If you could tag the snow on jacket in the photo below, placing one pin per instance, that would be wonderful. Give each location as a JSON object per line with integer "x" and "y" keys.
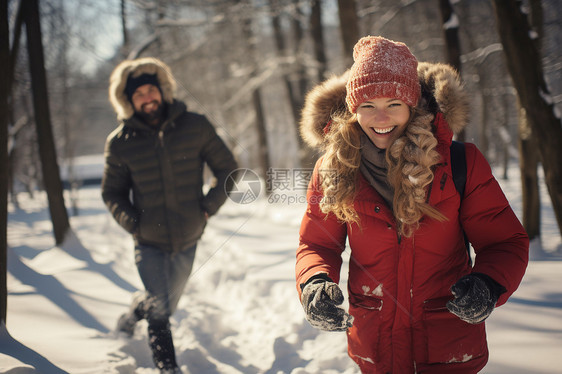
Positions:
{"x": 398, "y": 286}
{"x": 163, "y": 167}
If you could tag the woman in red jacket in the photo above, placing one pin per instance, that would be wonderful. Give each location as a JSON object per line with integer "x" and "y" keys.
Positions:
{"x": 384, "y": 184}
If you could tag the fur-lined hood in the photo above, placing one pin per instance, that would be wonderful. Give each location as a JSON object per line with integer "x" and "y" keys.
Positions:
{"x": 442, "y": 91}
{"x": 145, "y": 65}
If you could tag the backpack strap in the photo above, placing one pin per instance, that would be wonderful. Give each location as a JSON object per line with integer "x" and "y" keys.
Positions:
{"x": 458, "y": 168}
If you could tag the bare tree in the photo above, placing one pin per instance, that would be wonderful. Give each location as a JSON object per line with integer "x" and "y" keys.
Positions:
{"x": 451, "y": 32}
{"x": 298, "y": 51}
{"x": 317, "y": 33}
{"x": 295, "y": 90}
{"x": 349, "y": 27}
{"x": 263, "y": 153}
{"x": 525, "y": 67}
{"x": 528, "y": 165}
{"x": 282, "y": 54}
{"x": 50, "y": 168}
{"x": 124, "y": 26}
{"x": 486, "y": 78}
{"x": 529, "y": 157}
{"x": 452, "y": 43}
{"x": 4, "y": 62}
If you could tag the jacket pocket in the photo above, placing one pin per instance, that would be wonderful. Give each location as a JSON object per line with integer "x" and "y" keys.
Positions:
{"x": 448, "y": 338}
{"x": 365, "y": 302}
{"x": 364, "y": 336}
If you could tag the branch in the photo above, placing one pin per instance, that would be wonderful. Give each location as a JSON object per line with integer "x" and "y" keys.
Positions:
{"x": 480, "y": 54}
{"x": 15, "y": 46}
{"x": 135, "y": 52}
{"x": 189, "y": 23}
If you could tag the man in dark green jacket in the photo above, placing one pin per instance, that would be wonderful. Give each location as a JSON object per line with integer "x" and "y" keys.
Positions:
{"x": 152, "y": 185}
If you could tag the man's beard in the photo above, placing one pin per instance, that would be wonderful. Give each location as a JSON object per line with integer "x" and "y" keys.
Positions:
{"x": 153, "y": 117}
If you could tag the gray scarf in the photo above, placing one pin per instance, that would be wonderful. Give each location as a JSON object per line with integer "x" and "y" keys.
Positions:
{"x": 374, "y": 168}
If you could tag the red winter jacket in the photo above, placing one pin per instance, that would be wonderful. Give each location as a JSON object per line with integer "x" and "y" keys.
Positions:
{"x": 398, "y": 286}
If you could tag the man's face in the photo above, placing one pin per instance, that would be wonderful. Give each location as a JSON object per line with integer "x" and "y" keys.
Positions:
{"x": 147, "y": 102}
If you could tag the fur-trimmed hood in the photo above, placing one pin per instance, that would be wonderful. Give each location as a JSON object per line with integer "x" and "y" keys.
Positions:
{"x": 145, "y": 65}
{"x": 442, "y": 91}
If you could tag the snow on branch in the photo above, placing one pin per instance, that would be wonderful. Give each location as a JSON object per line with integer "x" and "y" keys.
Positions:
{"x": 135, "y": 52}
{"x": 190, "y": 23}
{"x": 480, "y": 54}
{"x": 388, "y": 15}
{"x": 452, "y": 22}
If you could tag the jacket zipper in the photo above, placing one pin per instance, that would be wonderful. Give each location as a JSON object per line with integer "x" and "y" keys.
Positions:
{"x": 169, "y": 195}
{"x": 161, "y": 138}
{"x": 161, "y": 132}
{"x": 412, "y": 302}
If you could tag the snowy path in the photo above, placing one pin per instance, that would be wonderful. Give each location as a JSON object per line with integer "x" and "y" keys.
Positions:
{"x": 239, "y": 313}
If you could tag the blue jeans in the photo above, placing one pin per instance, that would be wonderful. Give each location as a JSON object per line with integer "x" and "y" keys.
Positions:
{"x": 164, "y": 276}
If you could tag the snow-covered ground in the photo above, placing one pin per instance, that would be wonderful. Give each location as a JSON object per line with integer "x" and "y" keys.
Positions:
{"x": 239, "y": 312}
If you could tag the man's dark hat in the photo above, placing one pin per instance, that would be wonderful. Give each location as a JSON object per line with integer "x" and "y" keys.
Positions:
{"x": 135, "y": 82}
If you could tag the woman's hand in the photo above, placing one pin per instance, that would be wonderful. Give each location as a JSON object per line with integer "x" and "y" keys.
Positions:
{"x": 475, "y": 297}
{"x": 320, "y": 299}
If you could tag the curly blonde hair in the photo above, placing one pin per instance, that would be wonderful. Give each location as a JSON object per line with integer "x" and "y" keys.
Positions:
{"x": 411, "y": 158}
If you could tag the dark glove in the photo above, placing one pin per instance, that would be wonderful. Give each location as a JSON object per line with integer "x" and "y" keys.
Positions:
{"x": 320, "y": 299}
{"x": 476, "y": 295}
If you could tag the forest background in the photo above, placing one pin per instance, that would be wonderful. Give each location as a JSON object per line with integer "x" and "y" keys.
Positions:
{"x": 247, "y": 65}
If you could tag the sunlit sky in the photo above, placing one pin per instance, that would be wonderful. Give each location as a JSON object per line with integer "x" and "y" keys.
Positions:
{"x": 96, "y": 29}
{"x": 95, "y": 26}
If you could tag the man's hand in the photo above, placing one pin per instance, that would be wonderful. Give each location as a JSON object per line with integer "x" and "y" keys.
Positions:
{"x": 475, "y": 297}
{"x": 320, "y": 299}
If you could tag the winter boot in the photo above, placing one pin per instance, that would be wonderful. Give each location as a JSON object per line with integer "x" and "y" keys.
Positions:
{"x": 127, "y": 321}
{"x": 126, "y": 324}
{"x": 171, "y": 371}
{"x": 162, "y": 346}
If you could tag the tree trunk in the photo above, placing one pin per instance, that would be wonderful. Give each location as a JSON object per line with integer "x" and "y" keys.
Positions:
{"x": 317, "y": 32}
{"x": 529, "y": 158}
{"x": 124, "y": 26}
{"x": 4, "y": 61}
{"x": 282, "y": 54}
{"x": 451, "y": 32}
{"x": 263, "y": 153}
{"x": 15, "y": 46}
{"x": 452, "y": 43}
{"x": 528, "y": 164}
{"x": 294, "y": 98}
{"x": 525, "y": 67}
{"x": 299, "y": 51}
{"x": 349, "y": 28}
{"x": 49, "y": 165}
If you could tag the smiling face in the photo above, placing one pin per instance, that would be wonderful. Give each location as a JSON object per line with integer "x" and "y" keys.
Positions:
{"x": 382, "y": 119}
{"x": 147, "y": 101}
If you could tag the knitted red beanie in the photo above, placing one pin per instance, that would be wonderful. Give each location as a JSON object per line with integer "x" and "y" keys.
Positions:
{"x": 382, "y": 68}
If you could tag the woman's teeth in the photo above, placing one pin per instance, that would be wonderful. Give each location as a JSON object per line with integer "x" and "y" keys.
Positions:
{"x": 384, "y": 131}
